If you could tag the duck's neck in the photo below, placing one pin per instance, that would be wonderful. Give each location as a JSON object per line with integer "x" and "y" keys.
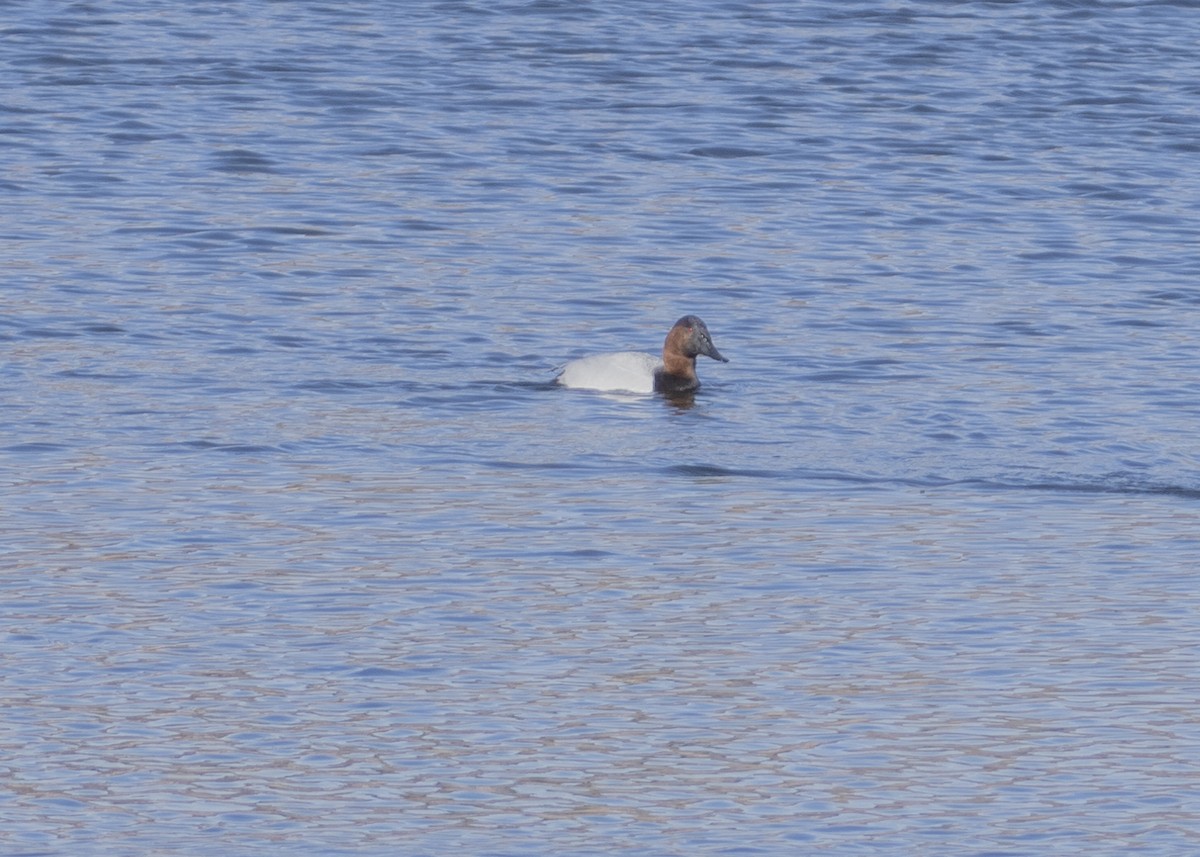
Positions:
{"x": 678, "y": 374}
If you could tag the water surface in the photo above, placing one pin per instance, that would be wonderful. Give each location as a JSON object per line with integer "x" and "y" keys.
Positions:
{"x": 304, "y": 552}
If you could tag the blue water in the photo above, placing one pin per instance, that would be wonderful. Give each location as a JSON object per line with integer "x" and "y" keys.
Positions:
{"x": 304, "y": 553}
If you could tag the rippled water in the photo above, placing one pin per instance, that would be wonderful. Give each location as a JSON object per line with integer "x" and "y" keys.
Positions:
{"x": 304, "y": 552}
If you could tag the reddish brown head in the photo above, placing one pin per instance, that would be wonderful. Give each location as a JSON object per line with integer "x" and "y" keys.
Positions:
{"x": 687, "y": 339}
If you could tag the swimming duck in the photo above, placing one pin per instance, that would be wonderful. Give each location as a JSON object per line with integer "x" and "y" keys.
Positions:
{"x": 634, "y": 372}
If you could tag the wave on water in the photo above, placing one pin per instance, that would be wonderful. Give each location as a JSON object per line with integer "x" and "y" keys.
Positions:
{"x": 1115, "y": 483}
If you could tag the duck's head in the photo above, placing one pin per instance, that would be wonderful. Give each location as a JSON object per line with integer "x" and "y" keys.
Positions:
{"x": 690, "y": 337}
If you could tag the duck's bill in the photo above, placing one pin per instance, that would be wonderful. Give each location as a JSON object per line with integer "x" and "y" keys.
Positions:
{"x": 715, "y": 354}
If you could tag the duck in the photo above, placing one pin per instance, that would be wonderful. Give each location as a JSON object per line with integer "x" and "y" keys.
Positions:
{"x": 635, "y": 372}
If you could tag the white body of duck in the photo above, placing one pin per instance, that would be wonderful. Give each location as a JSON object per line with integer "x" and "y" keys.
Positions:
{"x": 635, "y": 372}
